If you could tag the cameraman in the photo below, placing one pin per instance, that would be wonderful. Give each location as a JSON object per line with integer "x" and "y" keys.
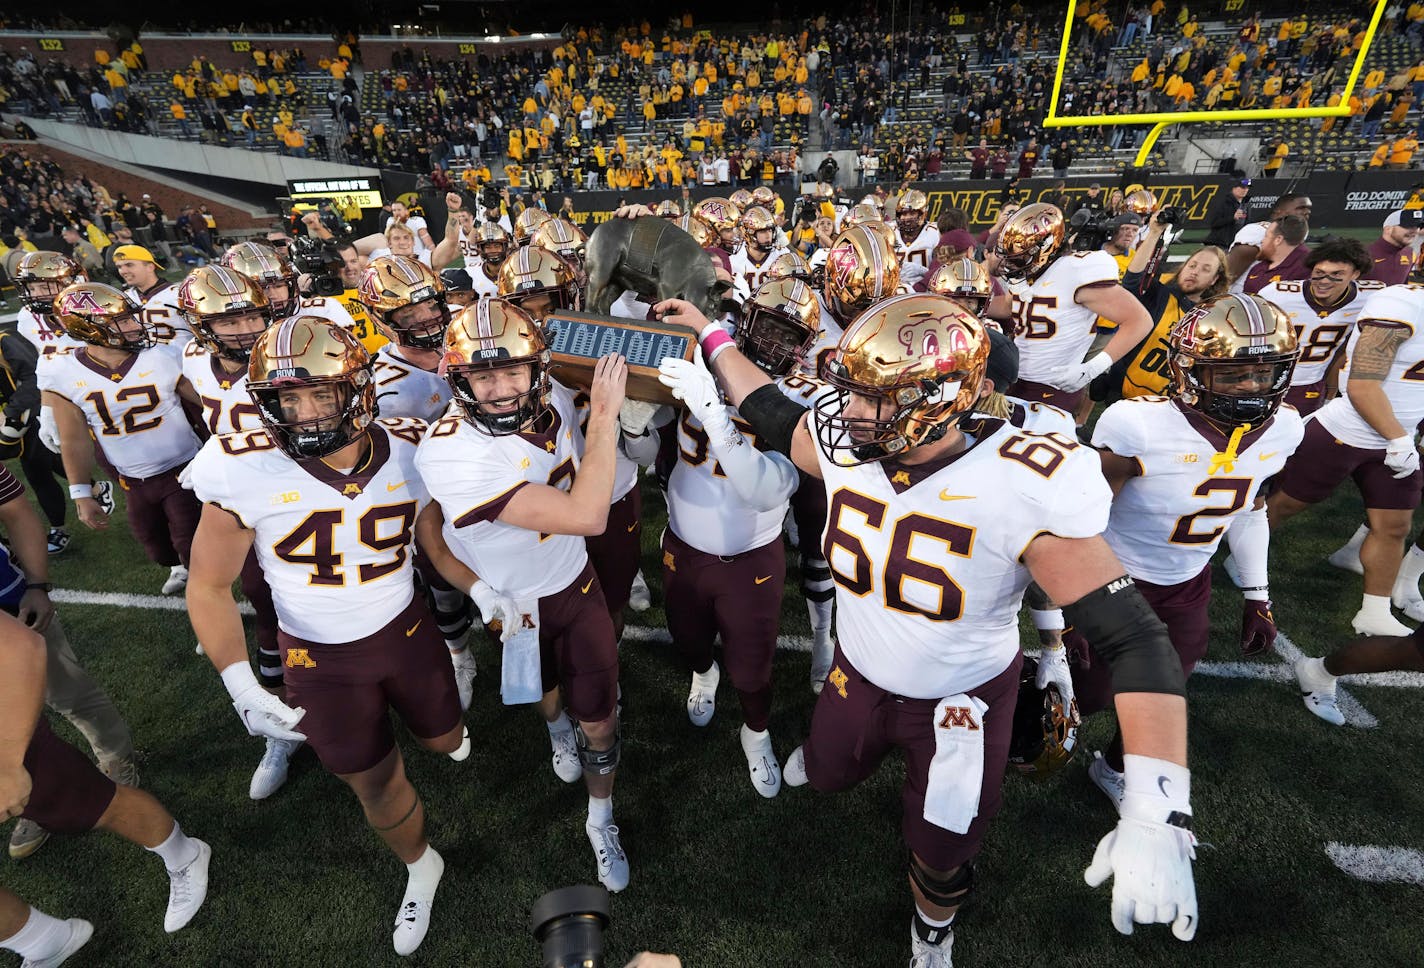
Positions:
{"x": 1145, "y": 369}
{"x": 327, "y": 282}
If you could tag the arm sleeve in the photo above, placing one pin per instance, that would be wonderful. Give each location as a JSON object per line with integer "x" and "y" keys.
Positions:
{"x": 763, "y": 479}
{"x": 1249, "y": 538}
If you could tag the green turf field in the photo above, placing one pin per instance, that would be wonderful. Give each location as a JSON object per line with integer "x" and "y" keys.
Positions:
{"x": 721, "y": 876}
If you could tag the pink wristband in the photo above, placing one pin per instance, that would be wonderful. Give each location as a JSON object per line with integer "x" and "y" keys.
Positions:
{"x": 715, "y": 343}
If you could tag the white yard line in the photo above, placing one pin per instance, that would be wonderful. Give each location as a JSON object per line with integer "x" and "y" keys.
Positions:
{"x": 1379, "y": 865}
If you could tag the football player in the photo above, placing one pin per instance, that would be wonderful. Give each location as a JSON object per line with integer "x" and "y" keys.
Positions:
{"x": 527, "y": 224}
{"x": 328, "y": 496}
{"x": 1058, "y": 295}
{"x": 860, "y": 270}
{"x": 1367, "y": 433}
{"x": 44, "y": 779}
{"x": 458, "y": 246}
{"x": 493, "y": 244}
{"x": 928, "y": 657}
{"x": 159, "y": 297}
{"x": 725, "y": 221}
{"x": 969, "y": 285}
{"x": 1183, "y": 469}
{"x": 759, "y": 250}
{"x": 1317, "y": 676}
{"x": 127, "y": 392}
{"x": 567, "y": 241}
{"x": 515, "y": 492}
{"x": 407, "y": 301}
{"x": 915, "y": 237}
{"x": 278, "y": 278}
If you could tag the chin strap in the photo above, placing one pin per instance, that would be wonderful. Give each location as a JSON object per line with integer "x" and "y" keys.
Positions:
{"x": 1225, "y": 461}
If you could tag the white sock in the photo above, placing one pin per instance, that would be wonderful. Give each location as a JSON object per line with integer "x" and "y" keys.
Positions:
{"x": 600, "y": 811}
{"x": 704, "y": 680}
{"x": 935, "y": 922}
{"x": 1352, "y": 547}
{"x": 820, "y": 615}
{"x": 178, "y": 851}
{"x": 41, "y": 936}
{"x": 456, "y": 646}
{"x": 1376, "y": 605}
{"x": 1410, "y": 569}
{"x": 561, "y": 725}
{"x": 424, "y": 875}
{"x": 1318, "y": 670}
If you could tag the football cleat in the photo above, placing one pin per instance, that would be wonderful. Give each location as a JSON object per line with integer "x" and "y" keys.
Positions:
{"x": 413, "y": 918}
{"x": 926, "y": 955}
{"x": 608, "y": 852}
{"x": 1319, "y": 689}
{"x": 640, "y": 597}
{"x": 187, "y": 889}
{"x": 1367, "y": 622}
{"x": 1110, "y": 781}
{"x": 1347, "y": 556}
{"x": 761, "y": 762}
{"x": 177, "y": 580}
{"x": 462, "y": 752}
{"x": 271, "y": 773}
{"x": 26, "y": 838}
{"x": 702, "y": 698}
{"x": 794, "y": 772}
{"x": 1407, "y": 599}
{"x": 104, "y": 495}
{"x": 464, "y": 663}
{"x": 57, "y": 540}
{"x": 80, "y": 931}
{"x": 567, "y": 766}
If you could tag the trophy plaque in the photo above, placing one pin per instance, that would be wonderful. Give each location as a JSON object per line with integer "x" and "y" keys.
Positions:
{"x": 577, "y": 341}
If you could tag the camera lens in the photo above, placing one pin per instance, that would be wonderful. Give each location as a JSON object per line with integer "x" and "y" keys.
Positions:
{"x": 569, "y": 924}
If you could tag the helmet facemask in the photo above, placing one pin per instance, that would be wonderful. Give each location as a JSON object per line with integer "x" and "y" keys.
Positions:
{"x": 320, "y": 436}
{"x": 529, "y": 407}
{"x": 906, "y": 416}
{"x": 1213, "y": 388}
{"x": 416, "y": 326}
{"x": 773, "y": 340}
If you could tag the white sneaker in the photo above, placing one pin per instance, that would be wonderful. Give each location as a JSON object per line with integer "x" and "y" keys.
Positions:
{"x": 823, "y": 653}
{"x": 702, "y": 698}
{"x": 80, "y": 931}
{"x": 198, "y": 649}
{"x": 640, "y": 598}
{"x": 1375, "y": 623}
{"x": 761, "y": 762}
{"x": 413, "y": 918}
{"x": 1409, "y": 601}
{"x": 925, "y": 955}
{"x": 567, "y": 766}
{"x": 1232, "y": 571}
{"x": 464, "y": 663}
{"x": 271, "y": 773}
{"x": 104, "y": 495}
{"x": 1110, "y": 781}
{"x": 177, "y": 580}
{"x": 794, "y": 772}
{"x": 1346, "y": 559}
{"x": 1319, "y": 688}
{"x": 612, "y": 862}
{"x": 187, "y": 889}
{"x": 462, "y": 752}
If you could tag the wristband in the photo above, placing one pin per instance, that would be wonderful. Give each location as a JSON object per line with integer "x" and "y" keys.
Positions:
{"x": 1259, "y": 593}
{"x": 238, "y": 678}
{"x": 715, "y": 342}
{"x": 1156, "y": 787}
{"x": 78, "y": 492}
{"x": 1048, "y": 619}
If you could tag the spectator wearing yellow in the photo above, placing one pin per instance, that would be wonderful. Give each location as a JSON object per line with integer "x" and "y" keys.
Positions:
{"x": 1401, "y": 153}
{"x": 180, "y": 114}
{"x": 1381, "y": 154}
{"x": 1277, "y": 158}
{"x": 296, "y": 143}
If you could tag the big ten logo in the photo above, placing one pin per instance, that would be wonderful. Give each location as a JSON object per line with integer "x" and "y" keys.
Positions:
{"x": 51, "y": 43}
{"x": 469, "y": 48}
{"x": 241, "y": 46}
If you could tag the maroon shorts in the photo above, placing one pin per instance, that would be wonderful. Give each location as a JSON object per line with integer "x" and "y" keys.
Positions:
{"x": 577, "y": 649}
{"x": 617, "y": 552}
{"x": 1043, "y": 393}
{"x": 162, "y": 515}
{"x": 349, "y": 688}
{"x": 1307, "y": 397}
{"x": 1182, "y": 608}
{"x": 857, "y": 723}
{"x": 738, "y": 596}
{"x": 68, "y": 793}
{"x": 257, "y": 592}
{"x": 1322, "y": 462}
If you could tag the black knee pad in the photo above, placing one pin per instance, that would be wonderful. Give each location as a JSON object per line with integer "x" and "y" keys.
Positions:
{"x": 598, "y": 762}
{"x": 269, "y": 669}
{"x": 816, "y": 582}
{"x": 949, "y": 890}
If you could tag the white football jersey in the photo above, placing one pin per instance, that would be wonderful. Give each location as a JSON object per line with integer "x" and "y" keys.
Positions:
{"x": 483, "y": 284}
{"x": 829, "y": 338}
{"x": 1053, "y": 330}
{"x": 803, "y": 389}
{"x": 1042, "y": 418}
{"x": 337, "y": 549}
{"x": 328, "y": 308}
{"x": 750, "y": 275}
{"x": 704, "y": 510}
{"x": 406, "y": 390}
{"x": 44, "y": 332}
{"x": 161, "y": 315}
{"x": 1401, "y": 305}
{"x": 469, "y": 252}
{"x": 928, "y": 559}
{"x": 1167, "y": 522}
{"x": 473, "y": 475}
{"x": 916, "y": 255}
{"x": 227, "y": 407}
{"x": 1319, "y": 330}
{"x": 134, "y": 412}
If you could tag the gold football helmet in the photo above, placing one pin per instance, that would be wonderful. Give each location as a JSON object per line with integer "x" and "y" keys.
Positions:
{"x": 789, "y": 265}
{"x": 311, "y": 353}
{"x": 215, "y": 294}
{"x": 764, "y": 197}
{"x": 860, "y": 270}
{"x": 861, "y": 213}
{"x": 779, "y": 325}
{"x": 669, "y": 209}
{"x": 568, "y": 241}
{"x": 407, "y": 300}
{"x": 101, "y": 315}
{"x": 528, "y": 223}
{"x": 742, "y": 199}
{"x": 41, "y": 276}
{"x": 539, "y": 282}
{"x": 492, "y": 241}
{"x": 965, "y": 281}
{"x": 1232, "y": 359}
{"x": 759, "y": 229}
{"x": 1141, "y": 202}
{"x": 270, "y": 269}
{"x": 904, "y": 372}
{"x": 1029, "y": 242}
{"x": 1045, "y": 731}
{"x": 911, "y": 214}
{"x": 723, "y": 218}
{"x": 492, "y": 334}
{"x": 700, "y": 231}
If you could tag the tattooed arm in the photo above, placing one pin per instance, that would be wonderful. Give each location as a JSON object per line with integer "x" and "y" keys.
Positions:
{"x": 1370, "y": 364}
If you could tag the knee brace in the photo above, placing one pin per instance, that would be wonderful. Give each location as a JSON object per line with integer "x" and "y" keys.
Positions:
{"x": 598, "y": 762}
{"x": 947, "y": 890}
{"x": 816, "y": 583}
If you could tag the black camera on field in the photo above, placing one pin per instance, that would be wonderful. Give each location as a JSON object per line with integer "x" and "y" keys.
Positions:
{"x": 490, "y": 197}
{"x": 569, "y": 925}
{"x": 1089, "y": 228}
{"x": 321, "y": 260}
{"x": 1171, "y": 215}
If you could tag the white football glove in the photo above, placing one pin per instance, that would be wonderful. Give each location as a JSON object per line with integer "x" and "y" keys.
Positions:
{"x": 49, "y": 429}
{"x": 1401, "y": 456}
{"x": 1079, "y": 375}
{"x": 693, "y": 384}
{"x": 1148, "y": 858}
{"x": 261, "y": 712}
{"x": 1053, "y": 670}
{"x": 495, "y": 607}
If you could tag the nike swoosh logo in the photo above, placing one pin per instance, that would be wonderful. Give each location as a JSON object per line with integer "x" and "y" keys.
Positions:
{"x": 1270, "y": 455}
{"x": 411, "y": 631}
{"x": 1162, "y": 782}
{"x": 632, "y": 527}
{"x": 946, "y": 496}
{"x": 397, "y": 486}
{"x": 761, "y": 580}
{"x": 585, "y": 588}
{"x": 145, "y": 373}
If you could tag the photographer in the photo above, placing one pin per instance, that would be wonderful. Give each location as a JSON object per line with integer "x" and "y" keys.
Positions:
{"x": 1145, "y": 370}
